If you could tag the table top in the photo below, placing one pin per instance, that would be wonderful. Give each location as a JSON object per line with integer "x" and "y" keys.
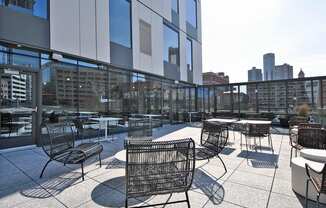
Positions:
{"x": 317, "y": 155}
{"x": 222, "y": 120}
{"x": 253, "y": 122}
{"x": 106, "y": 119}
{"x": 16, "y": 110}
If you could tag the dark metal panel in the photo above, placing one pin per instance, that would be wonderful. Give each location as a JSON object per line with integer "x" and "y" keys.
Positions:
{"x": 121, "y": 56}
{"x": 24, "y": 28}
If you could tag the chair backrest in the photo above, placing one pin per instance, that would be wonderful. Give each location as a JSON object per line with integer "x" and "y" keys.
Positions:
{"x": 58, "y": 138}
{"x": 259, "y": 130}
{"x": 310, "y": 125}
{"x": 214, "y": 136}
{"x": 6, "y": 120}
{"x": 159, "y": 167}
{"x": 296, "y": 120}
{"x": 312, "y": 138}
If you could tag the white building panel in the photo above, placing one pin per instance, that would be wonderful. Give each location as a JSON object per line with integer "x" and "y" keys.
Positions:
{"x": 183, "y": 57}
{"x": 148, "y": 63}
{"x": 197, "y": 63}
{"x": 182, "y": 14}
{"x": 87, "y": 29}
{"x": 64, "y": 26}
{"x": 161, "y": 7}
{"x": 103, "y": 31}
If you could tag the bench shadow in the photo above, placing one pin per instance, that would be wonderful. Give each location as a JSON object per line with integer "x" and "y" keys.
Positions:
{"x": 115, "y": 197}
{"x": 209, "y": 185}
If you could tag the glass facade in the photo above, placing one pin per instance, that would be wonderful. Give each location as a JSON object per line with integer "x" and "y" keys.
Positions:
{"x": 192, "y": 12}
{"x": 37, "y": 8}
{"x": 120, "y": 22}
{"x": 189, "y": 54}
{"x": 171, "y": 46}
{"x": 175, "y": 5}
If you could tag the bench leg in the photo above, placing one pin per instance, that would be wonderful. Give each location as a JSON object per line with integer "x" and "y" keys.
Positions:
{"x": 187, "y": 197}
{"x": 82, "y": 167}
{"x": 45, "y": 167}
{"x": 222, "y": 163}
{"x": 99, "y": 158}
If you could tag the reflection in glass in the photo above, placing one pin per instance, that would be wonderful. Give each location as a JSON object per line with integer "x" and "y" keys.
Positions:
{"x": 120, "y": 26}
{"x": 175, "y": 5}
{"x": 192, "y": 12}
{"x": 37, "y": 8}
{"x": 171, "y": 46}
{"x": 189, "y": 54}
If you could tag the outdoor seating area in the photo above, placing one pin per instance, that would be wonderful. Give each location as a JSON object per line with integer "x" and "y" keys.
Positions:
{"x": 197, "y": 164}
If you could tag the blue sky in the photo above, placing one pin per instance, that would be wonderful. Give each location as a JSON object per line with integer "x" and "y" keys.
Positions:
{"x": 236, "y": 34}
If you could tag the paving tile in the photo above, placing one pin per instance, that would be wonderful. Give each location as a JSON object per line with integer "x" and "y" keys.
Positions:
{"x": 114, "y": 178}
{"x": 77, "y": 194}
{"x": 279, "y": 200}
{"x": 14, "y": 179}
{"x": 20, "y": 194}
{"x": 283, "y": 187}
{"x": 245, "y": 195}
{"x": 247, "y": 166}
{"x": 252, "y": 180}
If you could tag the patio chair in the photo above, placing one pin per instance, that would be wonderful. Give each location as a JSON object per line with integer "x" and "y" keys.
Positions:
{"x": 258, "y": 131}
{"x": 318, "y": 180}
{"x": 59, "y": 145}
{"x": 213, "y": 139}
{"x": 294, "y": 123}
{"x": 313, "y": 138}
{"x": 154, "y": 168}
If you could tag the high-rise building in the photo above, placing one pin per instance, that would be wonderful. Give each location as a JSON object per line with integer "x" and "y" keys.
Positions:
{"x": 269, "y": 65}
{"x": 284, "y": 71}
{"x": 255, "y": 74}
{"x": 211, "y": 78}
{"x": 301, "y": 74}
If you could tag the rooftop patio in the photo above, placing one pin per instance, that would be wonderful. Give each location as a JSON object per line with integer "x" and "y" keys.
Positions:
{"x": 261, "y": 179}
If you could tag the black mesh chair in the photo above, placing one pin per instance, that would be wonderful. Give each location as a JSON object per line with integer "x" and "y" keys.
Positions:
{"x": 59, "y": 144}
{"x": 258, "y": 131}
{"x": 313, "y": 138}
{"x": 317, "y": 179}
{"x": 154, "y": 168}
{"x": 214, "y": 137}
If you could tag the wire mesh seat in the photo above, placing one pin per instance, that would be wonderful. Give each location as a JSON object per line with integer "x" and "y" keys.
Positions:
{"x": 214, "y": 137}
{"x": 154, "y": 168}
{"x": 314, "y": 138}
{"x": 59, "y": 144}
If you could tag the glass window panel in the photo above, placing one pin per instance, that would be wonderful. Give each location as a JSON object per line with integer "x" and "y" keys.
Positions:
{"x": 37, "y": 8}
{"x": 175, "y": 5}
{"x": 189, "y": 54}
{"x": 248, "y": 101}
{"x": 92, "y": 91}
{"x": 171, "y": 46}
{"x": 192, "y": 12}
{"x": 223, "y": 99}
{"x": 120, "y": 25}
{"x": 211, "y": 106}
{"x": 299, "y": 93}
{"x": 59, "y": 92}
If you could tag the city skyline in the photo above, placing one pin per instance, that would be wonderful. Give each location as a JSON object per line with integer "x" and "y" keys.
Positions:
{"x": 235, "y": 36}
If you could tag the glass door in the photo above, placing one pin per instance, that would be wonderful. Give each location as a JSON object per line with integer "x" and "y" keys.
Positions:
{"x": 18, "y": 107}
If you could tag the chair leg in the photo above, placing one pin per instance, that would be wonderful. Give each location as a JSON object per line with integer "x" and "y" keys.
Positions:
{"x": 247, "y": 145}
{"x": 45, "y": 167}
{"x": 306, "y": 200}
{"x": 222, "y": 163}
{"x": 260, "y": 143}
{"x": 291, "y": 152}
{"x": 99, "y": 158}
{"x": 270, "y": 139}
{"x": 318, "y": 200}
{"x": 126, "y": 202}
{"x": 82, "y": 167}
{"x": 187, "y": 197}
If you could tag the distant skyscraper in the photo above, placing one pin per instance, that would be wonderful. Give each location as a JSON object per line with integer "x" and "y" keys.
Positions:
{"x": 284, "y": 71}
{"x": 269, "y": 65}
{"x": 301, "y": 74}
{"x": 255, "y": 74}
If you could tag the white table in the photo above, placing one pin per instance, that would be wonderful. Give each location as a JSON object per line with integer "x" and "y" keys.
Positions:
{"x": 222, "y": 120}
{"x": 105, "y": 121}
{"x": 253, "y": 122}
